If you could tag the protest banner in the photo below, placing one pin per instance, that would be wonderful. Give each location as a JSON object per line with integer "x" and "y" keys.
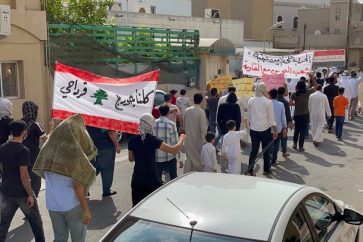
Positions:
{"x": 292, "y": 66}
{"x": 221, "y": 83}
{"x": 109, "y": 103}
{"x": 244, "y": 87}
{"x": 274, "y": 81}
{"x": 291, "y": 84}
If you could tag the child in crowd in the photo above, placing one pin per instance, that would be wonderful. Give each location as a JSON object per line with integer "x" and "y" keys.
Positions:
{"x": 231, "y": 149}
{"x": 208, "y": 154}
{"x": 340, "y": 104}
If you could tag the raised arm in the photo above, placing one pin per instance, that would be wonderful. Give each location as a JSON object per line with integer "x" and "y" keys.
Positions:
{"x": 175, "y": 148}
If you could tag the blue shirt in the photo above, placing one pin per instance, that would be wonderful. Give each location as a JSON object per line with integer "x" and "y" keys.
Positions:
{"x": 280, "y": 116}
{"x": 60, "y": 193}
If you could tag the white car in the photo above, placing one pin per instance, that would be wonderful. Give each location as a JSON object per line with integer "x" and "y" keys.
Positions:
{"x": 207, "y": 207}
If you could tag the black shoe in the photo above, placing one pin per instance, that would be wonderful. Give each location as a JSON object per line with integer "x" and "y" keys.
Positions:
{"x": 340, "y": 139}
{"x": 316, "y": 144}
{"x": 294, "y": 146}
{"x": 111, "y": 193}
{"x": 301, "y": 149}
{"x": 330, "y": 131}
{"x": 250, "y": 173}
{"x": 274, "y": 163}
{"x": 265, "y": 173}
{"x": 285, "y": 154}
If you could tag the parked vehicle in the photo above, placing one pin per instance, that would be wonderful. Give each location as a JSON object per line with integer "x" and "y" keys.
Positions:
{"x": 208, "y": 207}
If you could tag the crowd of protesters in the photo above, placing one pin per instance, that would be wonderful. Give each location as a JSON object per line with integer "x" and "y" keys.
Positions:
{"x": 211, "y": 139}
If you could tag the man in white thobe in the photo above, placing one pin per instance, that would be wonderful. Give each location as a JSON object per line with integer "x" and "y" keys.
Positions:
{"x": 195, "y": 123}
{"x": 355, "y": 82}
{"x": 318, "y": 108}
{"x": 344, "y": 82}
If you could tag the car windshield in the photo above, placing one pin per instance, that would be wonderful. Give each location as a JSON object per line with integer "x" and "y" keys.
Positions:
{"x": 134, "y": 229}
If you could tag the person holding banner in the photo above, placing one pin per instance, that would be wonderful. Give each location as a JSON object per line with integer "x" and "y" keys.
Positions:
{"x": 300, "y": 99}
{"x": 142, "y": 150}
{"x": 262, "y": 120}
{"x": 104, "y": 163}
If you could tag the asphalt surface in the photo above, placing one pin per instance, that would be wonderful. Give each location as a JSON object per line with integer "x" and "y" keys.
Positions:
{"x": 334, "y": 167}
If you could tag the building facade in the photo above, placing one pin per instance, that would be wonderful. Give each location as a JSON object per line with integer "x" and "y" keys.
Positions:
{"x": 287, "y": 11}
{"x": 256, "y": 14}
{"x": 22, "y": 57}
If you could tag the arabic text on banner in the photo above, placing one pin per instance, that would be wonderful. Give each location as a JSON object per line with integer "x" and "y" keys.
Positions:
{"x": 221, "y": 83}
{"x": 244, "y": 87}
{"x": 108, "y": 103}
{"x": 292, "y": 66}
{"x": 274, "y": 81}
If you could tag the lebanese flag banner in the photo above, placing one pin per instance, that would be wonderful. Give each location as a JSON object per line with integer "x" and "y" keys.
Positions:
{"x": 109, "y": 103}
{"x": 329, "y": 55}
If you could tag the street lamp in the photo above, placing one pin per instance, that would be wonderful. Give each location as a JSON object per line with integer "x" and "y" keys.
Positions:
{"x": 268, "y": 29}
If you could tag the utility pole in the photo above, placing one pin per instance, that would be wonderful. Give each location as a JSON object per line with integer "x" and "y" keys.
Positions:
{"x": 304, "y": 39}
{"x": 347, "y": 47}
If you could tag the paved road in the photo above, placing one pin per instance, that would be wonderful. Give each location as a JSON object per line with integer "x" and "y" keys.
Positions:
{"x": 334, "y": 167}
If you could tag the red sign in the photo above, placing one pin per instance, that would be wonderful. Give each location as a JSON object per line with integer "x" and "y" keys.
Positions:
{"x": 274, "y": 81}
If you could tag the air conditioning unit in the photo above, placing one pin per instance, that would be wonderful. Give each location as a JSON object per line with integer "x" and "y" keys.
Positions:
{"x": 211, "y": 13}
{"x": 145, "y": 8}
{"x": 5, "y": 25}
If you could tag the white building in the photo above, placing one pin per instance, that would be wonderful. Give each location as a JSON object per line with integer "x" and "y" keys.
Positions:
{"x": 168, "y": 7}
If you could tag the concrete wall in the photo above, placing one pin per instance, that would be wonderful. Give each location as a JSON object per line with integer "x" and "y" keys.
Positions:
{"x": 208, "y": 28}
{"x": 315, "y": 20}
{"x": 25, "y": 45}
{"x": 209, "y": 66}
{"x": 256, "y": 14}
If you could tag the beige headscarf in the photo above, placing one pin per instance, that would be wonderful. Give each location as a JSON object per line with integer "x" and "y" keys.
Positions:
{"x": 261, "y": 90}
{"x": 68, "y": 151}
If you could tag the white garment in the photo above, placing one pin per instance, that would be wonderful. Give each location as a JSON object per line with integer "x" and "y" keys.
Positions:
{"x": 195, "y": 129}
{"x": 209, "y": 157}
{"x": 261, "y": 114}
{"x": 354, "y": 83}
{"x": 183, "y": 103}
{"x": 344, "y": 82}
{"x": 231, "y": 147}
{"x": 318, "y": 107}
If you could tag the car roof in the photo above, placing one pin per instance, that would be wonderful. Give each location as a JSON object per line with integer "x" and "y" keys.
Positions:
{"x": 234, "y": 205}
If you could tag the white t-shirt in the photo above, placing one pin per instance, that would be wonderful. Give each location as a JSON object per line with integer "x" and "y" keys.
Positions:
{"x": 209, "y": 157}
{"x": 60, "y": 193}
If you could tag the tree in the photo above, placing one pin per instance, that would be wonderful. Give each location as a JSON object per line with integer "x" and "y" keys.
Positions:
{"x": 76, "y": 11}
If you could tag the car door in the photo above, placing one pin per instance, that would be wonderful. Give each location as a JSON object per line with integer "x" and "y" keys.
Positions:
{"x": 298, "y": 228}
{"x": 322, "y": 211}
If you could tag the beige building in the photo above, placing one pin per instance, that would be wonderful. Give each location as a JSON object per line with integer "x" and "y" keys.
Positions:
{"x": 257, "y": 15}
{"x": 327, "y": 28}
{"x": 22, "y": 62}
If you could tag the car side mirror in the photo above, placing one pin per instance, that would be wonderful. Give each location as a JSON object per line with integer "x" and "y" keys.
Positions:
{"x": 352, "y": 217}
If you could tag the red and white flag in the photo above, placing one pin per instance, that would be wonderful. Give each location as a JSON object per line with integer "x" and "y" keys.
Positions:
{"x": 109, "y": 103}
{"x": 321, "y": 56}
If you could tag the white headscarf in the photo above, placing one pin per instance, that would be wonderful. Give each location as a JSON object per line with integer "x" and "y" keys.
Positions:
{"x": 5, "y": 108}
{"x": 147, "y": 123}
